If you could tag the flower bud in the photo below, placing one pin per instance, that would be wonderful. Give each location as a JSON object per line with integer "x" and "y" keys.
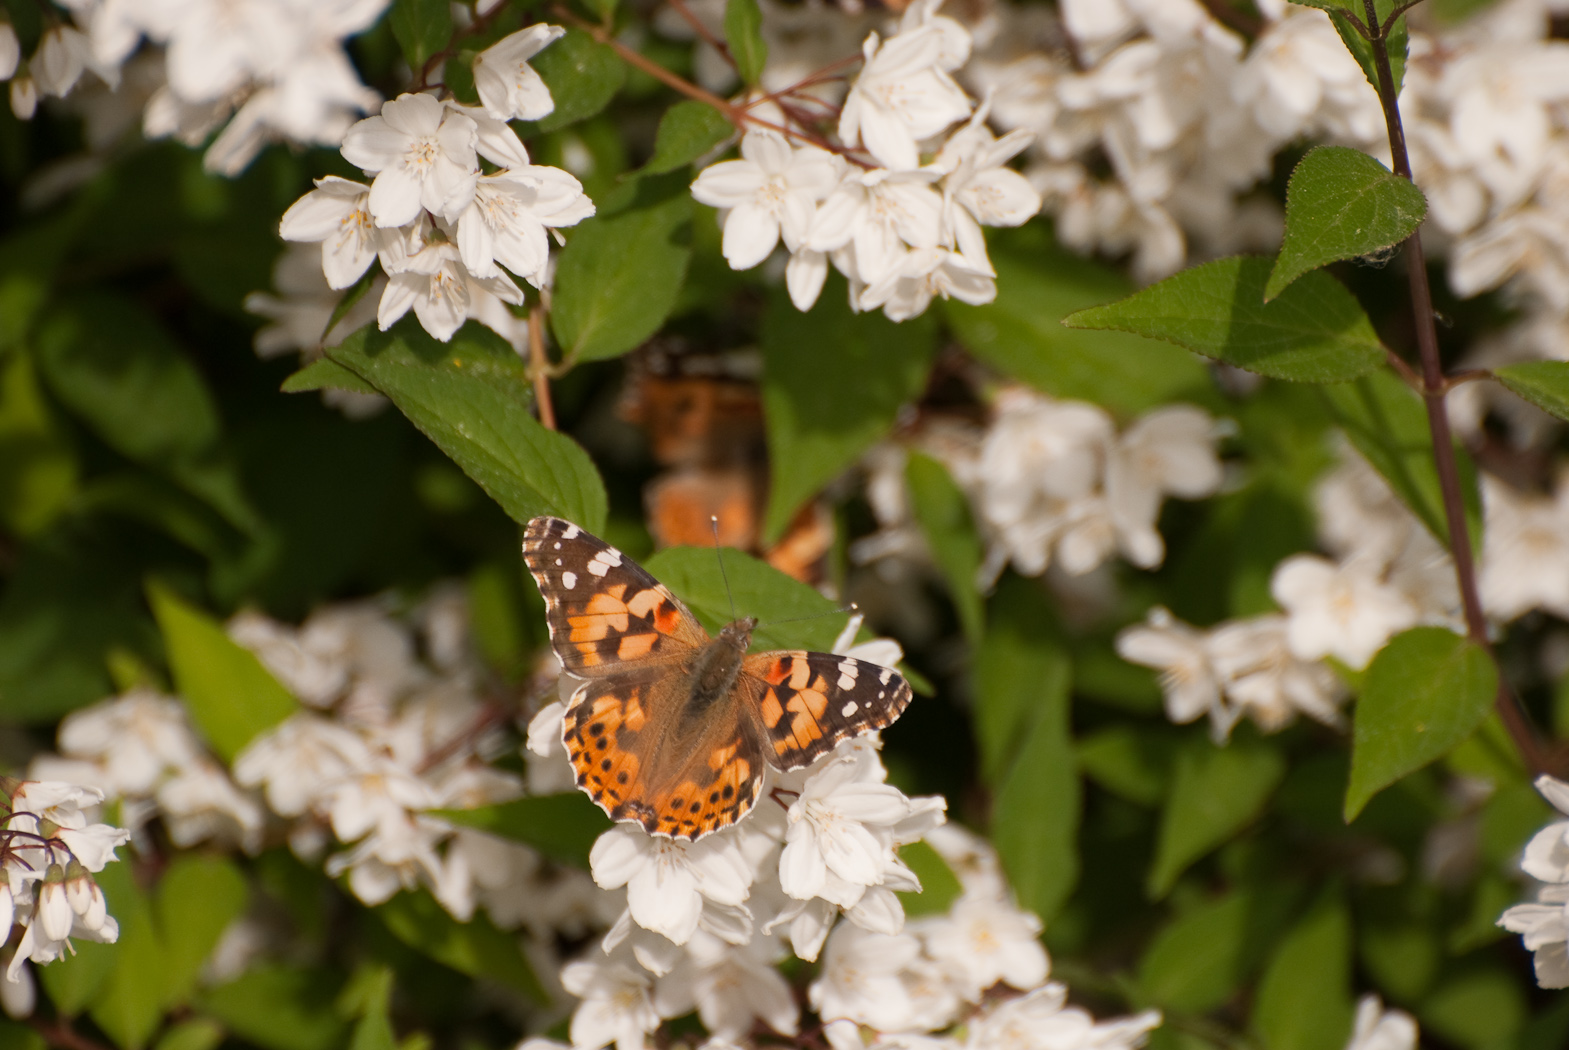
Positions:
{"x": 54, "y": 915}
{"x": 24, "y": 97}
{"x": 78, "y": 888}
{"x": 10, "y": 52}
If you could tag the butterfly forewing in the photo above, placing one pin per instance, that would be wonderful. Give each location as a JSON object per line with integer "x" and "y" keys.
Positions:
{"x": 808, "y": 702}
{"x": 604, "y": 610}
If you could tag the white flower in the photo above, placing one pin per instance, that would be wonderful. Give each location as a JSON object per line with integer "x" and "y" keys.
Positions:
{"x": 925, "y": 274}
{"x": 62, "y": 56}
{"x": 440, "y": 289}
{"x": 507, "y": 220}
{"x": 24, "y": 97}
{"x": 732, "y": 988}
{"x": 978, "y": 190}
{"x": 299, "y": 761}
{"x": 1042, "y": 1021}
{"x": 423, "y": 155}
{"x": 1547, "y": 854}
{"x": 840, "y": 834}
{"x": 1525, "y": 551}
{"x": 880, "y": 215}
{"x": 1346, "y": 611}
{"x": 336, "y": 213}
{"x": 136, "y": 739}
{"x": 983, "y": 940}
{"x": 1544, "y": 928}
{"x": 668, "y": 880}
{"x": 861, "y": 978}
{"x": 1181, "y": 655}
{"x": 1169, "y": 451}
{"x": 1262, "y": 678}
{"x": 772, "y": 191}
{"x": 1379, "y": 1029}
{"x": 507, "y": 85}
{"x": 902, "y": 96}
{"x": 615, "y": 1009}
{"x": 10, "y": 51}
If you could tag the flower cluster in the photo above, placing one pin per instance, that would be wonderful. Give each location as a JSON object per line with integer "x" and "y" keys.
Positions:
{"x": 445, "y": 232}
{"x": 261, "y": 70}
{"x": 50, "y": 854}
{"x": 1544, "y": 924}
{"x": 901, "y": 231}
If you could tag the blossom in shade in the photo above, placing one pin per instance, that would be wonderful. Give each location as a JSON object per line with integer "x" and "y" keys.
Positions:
{"x": 1378, "y": 1028}
{"x": 508, "y": 86}
{"x": 508, "y": 219}
{"x": 668, "y": 880}
{"x": 1347, "y": 611}
{"x": 903, "y": 95}
{"x": 615, "y": 1007}
{"x": 336, "y": 213}
{"x": 771, "y": 192}
{"x": 423, "y": 156}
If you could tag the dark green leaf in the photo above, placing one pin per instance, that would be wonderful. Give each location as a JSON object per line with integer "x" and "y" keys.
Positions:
{"x": 943, "y": 513}
{"x": 686, "y": 132}
{"x": 583, "y": 76}
{"x": 1478, "y": 1009}
{"x": 325, "y": 374}
{"x": 1303, "y": 1000}
{"x": 939, "y": 885}
{"x": 619, "y": 275}
{"x": 357, "y": 291}
{"x": 373, "y": 1030}
{"x": 1313, "y": 332}
{"x": 562, "y": 827}
{"x": 1543, "y": 383}
{"x": 129, "y": 1004}
{"x": 1131, "y": 761}
{"x": 38, "y": 473}
{"x": 1216, "y": 792}
{"x": 475, "y": 947}
{"x": 280, "y": 1008}
{"x": 758, "y": 589}
{"x": 1386, "y": 421}
{"x": 1402, "y": 957}
{"x": 1021, "y": 333}
{"x": 833, "y": 382}
{"x": 1200, "y": 959}
{"x": 1022, "y": 721}
{"x": 1342, "y": 204}
{"x": 422, "y": 27}
{"x": 231, "y": 696}
{"x": 744, "y": 36}
{"x": 470, "y": 397}
{"x": 1426, "y": 691}
{"x": 199, "y": 1033}
{"x": 111, "y": 364}
{"x": 197, "y": 898}
{"x": 1398, "y": 44}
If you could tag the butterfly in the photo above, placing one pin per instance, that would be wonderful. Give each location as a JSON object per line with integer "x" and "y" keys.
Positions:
{"x": 670, "y": 727}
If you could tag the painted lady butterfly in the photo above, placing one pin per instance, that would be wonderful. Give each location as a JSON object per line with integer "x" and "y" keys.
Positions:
{"x": 672, "y": 728}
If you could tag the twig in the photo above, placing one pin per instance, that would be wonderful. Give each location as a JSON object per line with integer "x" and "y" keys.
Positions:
{"x": 1434, "y": 386}
{"x": 539, "y": 366}
{"x": 437, "y": 60}
{"x": 702, "y": 31}
{"x": 60, "y": 1033}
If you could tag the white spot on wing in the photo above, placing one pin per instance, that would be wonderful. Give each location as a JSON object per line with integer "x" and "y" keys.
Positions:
{"x": 571, "y": 533}
{"x": 882, "y": 679}
{"x": 849, "y": 709}
{"x": 569, "y": 580}
{"x": 558, "y": 545}
{"x": 597, "y": 567}
{"x": 847, "y": 681}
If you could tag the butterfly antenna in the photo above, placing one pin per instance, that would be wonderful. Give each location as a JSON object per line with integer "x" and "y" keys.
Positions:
{"x": 852, "y": 609}
{"x": 719, "y": 552}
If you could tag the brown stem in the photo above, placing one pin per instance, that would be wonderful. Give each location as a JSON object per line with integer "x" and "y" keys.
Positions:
{"x": 1434, "y": 387}
{"x": 436, "y": 61}
{"x": 59, "y": 1033}
{"x": 539, "y": 365}
{"x": 702, "y": 31}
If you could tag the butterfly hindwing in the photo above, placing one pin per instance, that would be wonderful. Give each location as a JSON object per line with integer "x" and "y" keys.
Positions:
{"x": 604, "y": 610}
{"x": 809, "y": 702}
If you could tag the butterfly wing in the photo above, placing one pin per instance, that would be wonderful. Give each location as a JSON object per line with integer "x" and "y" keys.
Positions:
{"x": 605, "y": 612}
{"x": 806, "y": 703}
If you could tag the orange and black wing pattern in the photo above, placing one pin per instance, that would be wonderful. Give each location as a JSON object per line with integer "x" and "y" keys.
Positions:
{"x": 808, "y": 702}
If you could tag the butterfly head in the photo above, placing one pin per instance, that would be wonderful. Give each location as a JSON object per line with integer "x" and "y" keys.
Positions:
{"x": 738, "y": 633}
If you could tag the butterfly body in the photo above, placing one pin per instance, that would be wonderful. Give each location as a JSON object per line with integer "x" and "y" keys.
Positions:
{"x": 670, "y": 727}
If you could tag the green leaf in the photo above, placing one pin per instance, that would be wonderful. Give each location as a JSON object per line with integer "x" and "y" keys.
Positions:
{"x": 1022, "y": 681}
{"x": 1543, "y": 383}
{"x": 621, "y": 271}
{"x": 129, "y": 1004}
{"x": 1313, "y": 332}
{"x": 1202, "y": 957}
{"x": 744, "y": 37}
{"x": 1342, "y": 204}
{"x": 470, "y": 397}
{"x": 1398, "y": 44}
{"x": 197, "y": 898}
{"x": 111, "y": 364}
{"x": 280, "y": 1008}
{"x": 1387, "y": 422}
{"x": 1216, "y": 792}
{"x": 1021, "y": 332}
{"x": 422, "y": 28}
{"x": 1427, "y": 690}
{"x": 833, "y": 382}
{"x": 1402, "y": 957}
{"x": 199, "y": 1033}
{"x": 583, "y": 76}
{"x": 1303, "y": 1000}
{"x": 373, "y": 1030}
{"x": 1132, "y": 761}
{"x": 940, "y": 887}
{"x": 38, "y": 473}
{"x": 758, "y": 589}
{"x": 231, "y": 696}
{"x": 943, "y": 513}
{"x": 476, "y": 947}
{"x": 325, "y": 374}
{"x": 686, "y": 132}
{"x": 1478, "y": 1009}
{"x": 562, "y": 827}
